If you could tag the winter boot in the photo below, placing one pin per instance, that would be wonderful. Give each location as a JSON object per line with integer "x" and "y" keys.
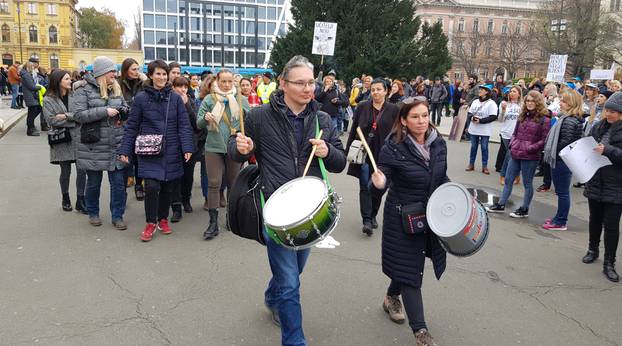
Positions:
{"x": 176, "y": 212}
{"x": 81, "y": 205}
{"x": 591, "y": 255}
{"x": 66, "y": 204}
{"x": 609, "y": 269}
{"x": 212, "y": 228}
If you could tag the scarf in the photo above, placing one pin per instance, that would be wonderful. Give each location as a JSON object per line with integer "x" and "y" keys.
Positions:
{"x": 550, "y": 147}
{"x": 224, "y": 99}
{"x": 424, "y": 149}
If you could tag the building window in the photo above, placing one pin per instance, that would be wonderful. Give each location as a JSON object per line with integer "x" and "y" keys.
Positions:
{"x": 488, "y": 51}
{"x": 160, "y": 5}
{"x": 476, "y": 25}
{"x": 504, "y": 27}
{"x": 519, "y": 27}
{"x": 32, "y": 8}
{"x": 147, "y": 5}
{"x": 457, "y": 76}
{"x": 148, "y": 21}
{"x": 490, "y": 26}
{"x": 6, "y": 33}
{"x": 461, "y": 25}
{"x": 53, "y": 34}
{"x": 614, "y": 5}
{"x": 54, "y": 62}
{"x": 52, "y": 9}
{"x": 4, "y": 6}
{"x": 32, "y": 31}
{"x": 160, "y": 22}
{"x": 440, "y": 20}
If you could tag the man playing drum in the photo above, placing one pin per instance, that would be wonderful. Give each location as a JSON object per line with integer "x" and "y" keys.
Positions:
{"x": 281, "y": 134}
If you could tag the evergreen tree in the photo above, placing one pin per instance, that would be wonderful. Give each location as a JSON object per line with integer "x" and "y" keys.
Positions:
{"x": 377, "y": 37}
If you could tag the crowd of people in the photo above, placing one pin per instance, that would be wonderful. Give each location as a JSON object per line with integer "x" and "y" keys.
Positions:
{"x": 149, "y": 131}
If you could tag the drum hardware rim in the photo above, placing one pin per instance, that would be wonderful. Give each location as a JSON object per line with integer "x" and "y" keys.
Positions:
{"x": 305, "y": 220}
{"x": 477, "y": 248}
{"x": 322, "y": 237}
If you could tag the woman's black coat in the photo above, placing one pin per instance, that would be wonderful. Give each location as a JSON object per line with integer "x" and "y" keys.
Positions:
{"x": 409, "y": 180}
{"x": 606, "y": 185}
{"x": 363, "y": 117}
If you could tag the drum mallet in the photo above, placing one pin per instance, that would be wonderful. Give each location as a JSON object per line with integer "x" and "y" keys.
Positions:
{"x": 319, "y": 135}
{"x": 371, "y": 156}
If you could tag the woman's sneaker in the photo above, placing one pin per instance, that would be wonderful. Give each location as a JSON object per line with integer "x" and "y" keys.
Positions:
{"x": 496, "y": 208}
{"x": 550, "y": 226}
{"x": 543, "y": 188}
{"x": 393, "y": 306}
{"x": 520, "y": 213}
{"x": 424, "y": 338}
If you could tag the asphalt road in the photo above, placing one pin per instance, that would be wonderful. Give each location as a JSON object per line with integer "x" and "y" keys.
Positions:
{"x": 64, "y": 282}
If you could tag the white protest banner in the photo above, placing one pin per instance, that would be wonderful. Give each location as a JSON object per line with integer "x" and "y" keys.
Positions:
{"x": 581, "y": 159}
{"x": 602, "y": 74}
{"x": 557, "y": 68}
{"x": 324, "y": 37}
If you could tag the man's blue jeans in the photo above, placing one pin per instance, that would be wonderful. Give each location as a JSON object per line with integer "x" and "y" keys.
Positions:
{"x": 475, "y": 141}
{"x": 562, "y": 177}
{"x": 117, "y": 193}
{"x": 337, "y": 123}
{"x": 528, "y": 169}
{"x": 283, "y": 293}
{"x": 14, "y": 92}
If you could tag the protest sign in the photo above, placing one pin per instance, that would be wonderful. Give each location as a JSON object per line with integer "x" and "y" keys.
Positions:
{"x": 324, "y": 37}
{"x": 557, "y": 68}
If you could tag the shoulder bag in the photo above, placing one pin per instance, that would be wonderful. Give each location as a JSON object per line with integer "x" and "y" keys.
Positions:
{"x": 58, "y": 135}
{"x": 151, "y": 144}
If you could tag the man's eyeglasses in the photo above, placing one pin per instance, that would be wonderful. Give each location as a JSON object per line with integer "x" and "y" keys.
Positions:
{"x": 302, "y": 84}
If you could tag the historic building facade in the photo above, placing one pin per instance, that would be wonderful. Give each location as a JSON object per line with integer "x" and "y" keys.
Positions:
{"x": 49, "y": 31}
{"x": 488, "y": 37}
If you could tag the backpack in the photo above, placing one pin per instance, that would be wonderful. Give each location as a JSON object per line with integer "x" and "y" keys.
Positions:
{"x": 244, "y": 212}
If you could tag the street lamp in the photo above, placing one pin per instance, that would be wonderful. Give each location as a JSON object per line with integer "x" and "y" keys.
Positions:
{"x": 19, "y": 32}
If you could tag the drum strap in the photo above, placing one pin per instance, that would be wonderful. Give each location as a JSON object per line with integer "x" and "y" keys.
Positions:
{"x": 320, "y": 160}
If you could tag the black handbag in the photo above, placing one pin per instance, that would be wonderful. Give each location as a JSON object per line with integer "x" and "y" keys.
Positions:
{"x": 58, "y": 135}
{"x": 414, "y": 220}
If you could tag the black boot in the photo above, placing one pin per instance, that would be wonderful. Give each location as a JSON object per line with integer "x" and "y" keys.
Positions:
{"x": 609, "y": 269}
{"x": 368, "y": 229}
{"x": 176, "y": 212}
{"x": 212, "y": 229}
{"x": 81, "y": 205}
{"x": 66, "y": 204}
{"x": 590, "y": 256}
{"x": 187, "y": 206}
{"x": 140, "y": 193}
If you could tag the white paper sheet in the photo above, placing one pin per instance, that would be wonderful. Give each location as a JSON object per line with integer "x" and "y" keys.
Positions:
{"x": 581, "y": 159}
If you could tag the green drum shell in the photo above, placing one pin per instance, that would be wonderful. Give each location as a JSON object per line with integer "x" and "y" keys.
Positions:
{"x": 312, "y": 229}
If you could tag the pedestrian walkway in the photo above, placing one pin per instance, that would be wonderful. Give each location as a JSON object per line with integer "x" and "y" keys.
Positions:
{"x": 9, "y": 117}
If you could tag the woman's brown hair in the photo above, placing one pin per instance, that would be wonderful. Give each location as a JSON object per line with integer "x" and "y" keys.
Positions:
{"x": 400, "y": 87}
{"x": 125, "y": 66}
{"x": 206, "y": 87}
{"x": 541, "y": 110}
{"x": 398, "y": 129}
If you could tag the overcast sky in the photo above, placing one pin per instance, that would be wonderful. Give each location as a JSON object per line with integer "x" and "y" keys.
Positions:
{"x": 124, "y": 10}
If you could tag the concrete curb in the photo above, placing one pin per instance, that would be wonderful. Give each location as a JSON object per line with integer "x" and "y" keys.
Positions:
{"x": 6, "y": 126}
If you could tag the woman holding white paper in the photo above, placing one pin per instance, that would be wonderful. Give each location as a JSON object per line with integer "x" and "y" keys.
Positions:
{"x": 604, "y": 190}
{"x": 566, "y": 130}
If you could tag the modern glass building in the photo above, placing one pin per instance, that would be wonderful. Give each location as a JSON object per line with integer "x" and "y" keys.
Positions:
{"x": 232, "y": 34}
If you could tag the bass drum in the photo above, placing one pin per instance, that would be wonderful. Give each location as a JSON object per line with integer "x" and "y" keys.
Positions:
{"x": 301, "y": 213}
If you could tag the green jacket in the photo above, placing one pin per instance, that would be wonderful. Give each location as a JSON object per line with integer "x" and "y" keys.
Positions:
{"x": 216, "y": 142}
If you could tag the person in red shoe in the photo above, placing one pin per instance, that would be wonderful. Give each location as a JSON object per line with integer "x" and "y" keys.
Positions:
{"x": 157, "y": 110}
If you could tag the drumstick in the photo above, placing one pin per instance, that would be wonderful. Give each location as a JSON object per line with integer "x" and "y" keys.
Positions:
{"x": 242, "y": 123}
{"x": 319, "y": 135}
{"x": 371, "y": 156}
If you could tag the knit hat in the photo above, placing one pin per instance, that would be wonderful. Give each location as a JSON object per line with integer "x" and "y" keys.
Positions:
{"x": 103, "y": 65}
{"x": 614, "y": 103}
{"x": 606, "y": 93}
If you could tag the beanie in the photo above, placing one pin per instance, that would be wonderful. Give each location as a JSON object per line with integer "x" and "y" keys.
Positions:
{"x": 614, "y": 103}
{"x": 103, "y": 65}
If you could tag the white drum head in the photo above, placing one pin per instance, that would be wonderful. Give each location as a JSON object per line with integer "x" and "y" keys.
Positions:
{"x": 449, "y": 209}
{"x": 294, "y": 201}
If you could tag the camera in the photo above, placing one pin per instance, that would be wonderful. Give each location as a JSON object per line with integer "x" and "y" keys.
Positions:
{"x": 124, "y": 112}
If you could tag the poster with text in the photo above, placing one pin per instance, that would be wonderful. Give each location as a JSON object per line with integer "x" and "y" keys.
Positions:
{"x": 557, "y": 68}
{"x": 324, "y": 36}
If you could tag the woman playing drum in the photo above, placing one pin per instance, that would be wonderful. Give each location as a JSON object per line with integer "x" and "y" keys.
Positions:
{"x": 413, "y": 162}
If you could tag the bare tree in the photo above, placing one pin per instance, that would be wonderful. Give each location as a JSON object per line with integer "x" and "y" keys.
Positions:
{"x": 516, "y": 47}
{"x": 136, "y": 43}
{"x": 469, "y": 49}
{"x": 571, "y": 27}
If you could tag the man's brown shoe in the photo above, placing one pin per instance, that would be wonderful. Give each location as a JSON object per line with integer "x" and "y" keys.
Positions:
{"x": 470, "y": 168}
{"x": 393, "y": 306}
{"x": 95, "y": 221}
{"x": 485, "y": 171}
